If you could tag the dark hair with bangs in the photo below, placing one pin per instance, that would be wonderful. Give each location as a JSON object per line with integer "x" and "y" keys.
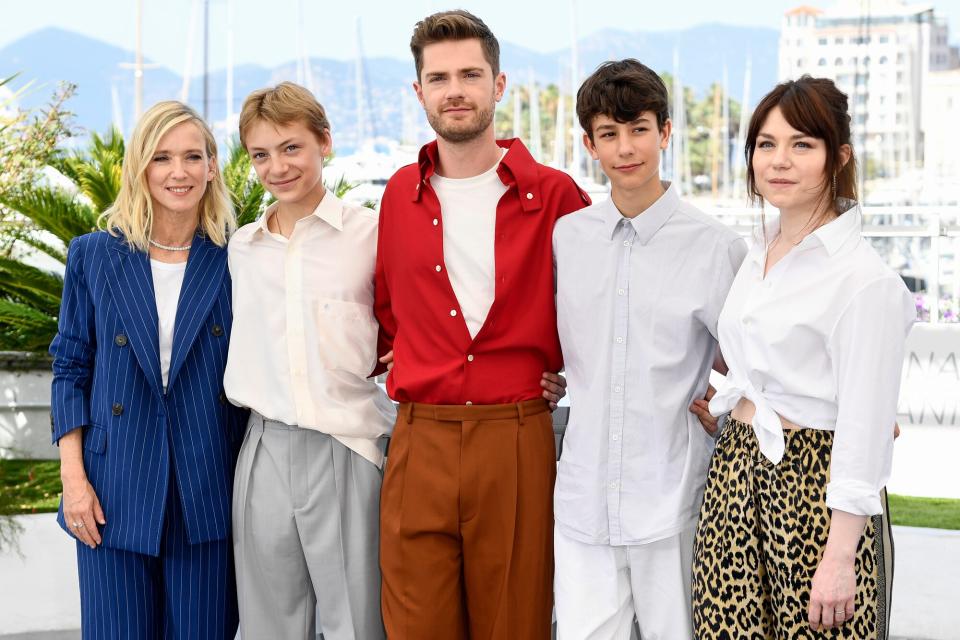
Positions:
{"x": 622, "y": 90}
{"x": 454, "y": 25}
{"x": 817, "y": 108}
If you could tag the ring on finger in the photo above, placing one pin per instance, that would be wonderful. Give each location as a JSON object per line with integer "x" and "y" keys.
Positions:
{"x": 76, "y": 525}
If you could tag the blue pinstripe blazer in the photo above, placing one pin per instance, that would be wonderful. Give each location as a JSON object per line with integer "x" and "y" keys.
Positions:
{"x": 138, "y": 440}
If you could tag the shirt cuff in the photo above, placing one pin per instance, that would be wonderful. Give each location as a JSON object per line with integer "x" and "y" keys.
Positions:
{"x": 857, "y": 498}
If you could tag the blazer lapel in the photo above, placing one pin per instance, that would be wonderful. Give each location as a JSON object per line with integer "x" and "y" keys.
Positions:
{"x": 202, "y": 280}
{"x": 131, "y": 284}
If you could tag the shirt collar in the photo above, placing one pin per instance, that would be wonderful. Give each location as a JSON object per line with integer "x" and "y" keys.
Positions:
{"x": 330, "y": 210}
{"x": 516, "y": 168}
{"x": 647, "y": 223}
{"x": 831, "y": 236}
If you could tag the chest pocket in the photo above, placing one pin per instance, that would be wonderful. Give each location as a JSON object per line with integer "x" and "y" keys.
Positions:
{"x": 346, "y": 336}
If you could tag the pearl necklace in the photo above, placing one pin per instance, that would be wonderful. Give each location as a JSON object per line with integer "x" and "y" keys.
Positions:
{"x": 165, "y": 247}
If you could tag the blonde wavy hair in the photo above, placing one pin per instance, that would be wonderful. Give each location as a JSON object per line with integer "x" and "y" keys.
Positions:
{"x": 132, "y": 213}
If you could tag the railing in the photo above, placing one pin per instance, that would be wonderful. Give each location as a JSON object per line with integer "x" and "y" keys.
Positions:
{"x": 921, "y": 243}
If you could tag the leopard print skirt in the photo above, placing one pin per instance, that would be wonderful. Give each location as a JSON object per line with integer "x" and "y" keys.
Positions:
{"x": 762, "y": 531}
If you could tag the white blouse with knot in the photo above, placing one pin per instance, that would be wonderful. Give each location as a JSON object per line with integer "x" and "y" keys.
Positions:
{"x": 820, "y": 341}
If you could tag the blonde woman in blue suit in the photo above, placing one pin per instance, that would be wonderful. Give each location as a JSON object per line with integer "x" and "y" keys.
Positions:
{"x": 147, "y": 440}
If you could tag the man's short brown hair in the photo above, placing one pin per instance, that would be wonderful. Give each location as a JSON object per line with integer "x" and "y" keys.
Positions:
{"x": 454, "y": 25}
{"x": 622, "y": 90}
{"x": 282, "y": 105}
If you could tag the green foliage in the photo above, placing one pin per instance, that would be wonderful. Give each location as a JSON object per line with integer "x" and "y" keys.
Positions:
{"x": 29, "y": 486}
{"x": 96, "y": 170}
{"x": 247, "y": 194}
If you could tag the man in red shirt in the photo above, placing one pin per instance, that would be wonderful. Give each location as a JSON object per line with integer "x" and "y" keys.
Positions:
{"x": 465, "y": 299}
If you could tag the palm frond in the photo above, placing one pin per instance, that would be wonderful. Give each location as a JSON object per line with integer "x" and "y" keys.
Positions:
{"x": 25, "y": 283}
{"x": 97, "y": 170}
{"x": 246, "y": 192}
{"x": 23, "y": 328}
{"x": 53, "y": 210}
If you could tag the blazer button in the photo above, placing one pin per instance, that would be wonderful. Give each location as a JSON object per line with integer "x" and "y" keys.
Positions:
{"x": 117, "y": 408}
{"x": 216, "y": 330}
{"x": 120, "y": 340}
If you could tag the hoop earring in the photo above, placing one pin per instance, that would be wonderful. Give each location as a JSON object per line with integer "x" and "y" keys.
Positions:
{"x": 834, "y": 186}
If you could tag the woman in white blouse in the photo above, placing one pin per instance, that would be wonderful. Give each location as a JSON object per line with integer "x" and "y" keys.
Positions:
{"x": 790, "y": 537}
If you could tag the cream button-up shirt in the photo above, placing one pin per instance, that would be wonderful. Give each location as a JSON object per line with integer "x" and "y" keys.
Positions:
{"x": 820, "y": 341}
{"x": 304, "y": 337}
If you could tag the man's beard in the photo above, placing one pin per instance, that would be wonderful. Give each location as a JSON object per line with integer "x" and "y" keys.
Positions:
{"x": 460, "y": 131}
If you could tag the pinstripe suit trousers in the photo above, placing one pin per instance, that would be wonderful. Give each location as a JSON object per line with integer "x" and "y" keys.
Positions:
{"x": 185, "y": 593}
{"x": 306, "y": 536}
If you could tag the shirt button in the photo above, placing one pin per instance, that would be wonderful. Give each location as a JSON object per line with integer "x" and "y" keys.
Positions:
{"x": 613, "y": 485}
{"x": 620, "y": 292}
{"x": 453, "y": 313}
{"x": 529, "y": 196}
{"x": 619, "y": 340}
{"x": 435, "y": 222}
{"x": 617, "y": 389}
{"x": 615, "y": 437}
{"x": 626, "y": 243}
{"x": 438, "y": 268}
{"x": 470, "y": 358}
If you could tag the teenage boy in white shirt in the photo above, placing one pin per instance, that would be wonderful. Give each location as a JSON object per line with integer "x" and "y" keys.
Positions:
{"x": 303, "y": 345}
{"x": 641, "y": 279}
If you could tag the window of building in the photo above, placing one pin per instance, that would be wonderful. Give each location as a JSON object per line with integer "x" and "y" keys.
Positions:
{"x": 861, "y": 98}
{"x": 861, "y": 118}
{"x": 822, "y": 62}
{"x": 822, "y": 41}
{"x": 900, "y": 58}
{"x": 883, "y": 60}
{"x": 799, "y": 62}
{"x": 838, "y": 40}
{"x": 899, "y": 98}
{"x": 838, "y": 62}
{"x": 866, "y": 61}
{"x": 884, "y": 39}
{"x": 899, "y": 77}
{"x": 853, "y": 61}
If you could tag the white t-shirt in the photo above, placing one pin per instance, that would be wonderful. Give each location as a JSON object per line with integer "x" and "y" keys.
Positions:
{"x": 167, "y": 280}
{"x": 469, "y": 209}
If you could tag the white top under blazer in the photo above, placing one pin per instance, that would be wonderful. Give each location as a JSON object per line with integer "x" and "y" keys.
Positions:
{"x": 820, "y": 341}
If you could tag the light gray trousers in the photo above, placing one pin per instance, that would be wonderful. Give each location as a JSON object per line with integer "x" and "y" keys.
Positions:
{"x": 306, "y": 536}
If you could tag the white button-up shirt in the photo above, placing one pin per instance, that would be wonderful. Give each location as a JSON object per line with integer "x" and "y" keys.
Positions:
{"x": 637, "y": 308}
{"x": 820, "y": 341}
{"x": 304, "y": 338}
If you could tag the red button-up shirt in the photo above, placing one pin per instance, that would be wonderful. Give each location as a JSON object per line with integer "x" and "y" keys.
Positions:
{"x": 435, "y": 359}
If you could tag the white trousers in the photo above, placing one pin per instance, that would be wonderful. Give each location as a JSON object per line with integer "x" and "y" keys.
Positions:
{"x": 600, "y": 588}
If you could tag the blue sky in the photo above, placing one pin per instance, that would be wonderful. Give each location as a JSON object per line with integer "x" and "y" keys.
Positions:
{"x": 268, "y": 37}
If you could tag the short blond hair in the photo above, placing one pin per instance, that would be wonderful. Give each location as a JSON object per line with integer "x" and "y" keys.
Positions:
{"x": 282, "y": 105}
{"x": 132, "y": 213}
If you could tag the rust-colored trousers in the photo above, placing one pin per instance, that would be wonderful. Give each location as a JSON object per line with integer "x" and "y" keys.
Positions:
{"x": 466, "y": 523}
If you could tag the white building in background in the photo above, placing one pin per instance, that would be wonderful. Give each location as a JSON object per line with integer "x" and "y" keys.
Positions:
{"x": 941, "y": 123}
{"x": 881, "y": 53}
